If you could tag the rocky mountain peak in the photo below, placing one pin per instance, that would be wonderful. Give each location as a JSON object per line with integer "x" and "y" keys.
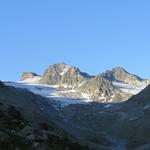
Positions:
{"x": 144, "y": 95}
{"x": 63, "y": 74}
{"x": 121, "y": 75}
{"x": 114, "y": 84}
{"x": 30, "y": 77}
{"x": 98, "y": 88}
{"x": 118, "y": 69}
{"x": 59, "y": 68}
{"x": 26, "y": 75}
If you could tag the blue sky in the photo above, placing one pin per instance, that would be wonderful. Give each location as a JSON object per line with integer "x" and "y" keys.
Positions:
{"x": 93, "y": 35}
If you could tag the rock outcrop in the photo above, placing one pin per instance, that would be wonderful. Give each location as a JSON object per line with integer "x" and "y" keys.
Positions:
{"x": 98, "y": 88}
{"x": 26, "y": 75}
{"x": 17, "y": 133}
{"x": 120, "y": 74}
{"x": 30, "y": 77}
{"x": 101, "y": 89}
{"x": 63, "y": 75}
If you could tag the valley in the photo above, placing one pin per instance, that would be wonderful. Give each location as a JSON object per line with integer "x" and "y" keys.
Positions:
{"x": 109, "y": 111}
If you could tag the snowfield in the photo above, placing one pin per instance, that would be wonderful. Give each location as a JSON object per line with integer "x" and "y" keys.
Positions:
{"x": 34, "y": 79}
{"x": 129, "y": 88}
{"x": 48, "y": 91}
{"x": 63, "y": 97}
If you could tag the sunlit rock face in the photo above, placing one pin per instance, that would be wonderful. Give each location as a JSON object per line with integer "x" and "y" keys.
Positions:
{"x": 26, "y": 75}
{"x": 101, "y": 89}
{"x": 63, "y": 74}
{"x": 120, "y": 74}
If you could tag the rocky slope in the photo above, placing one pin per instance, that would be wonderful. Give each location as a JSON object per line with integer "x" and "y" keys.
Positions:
{"x": 111, "y": 86}
{"x": 106, "y": 126}
{"x": 127, "y": 123}
{"x": 28, "y": 121}
{"x": 135, "y": 127}
{"x": 121, "y": 75}
{"x": 18, "y": 133}
{"x": 101, "y": 89}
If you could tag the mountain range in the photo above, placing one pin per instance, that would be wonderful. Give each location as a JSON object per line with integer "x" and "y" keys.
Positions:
{"x": 67, "y": 109}
{"x": 111, "y": 86}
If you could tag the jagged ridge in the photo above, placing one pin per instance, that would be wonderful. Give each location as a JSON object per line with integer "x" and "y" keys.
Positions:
{"x": 109, "y": 86}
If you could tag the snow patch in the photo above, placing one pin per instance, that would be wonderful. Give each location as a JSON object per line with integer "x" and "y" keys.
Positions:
{"x": 87, "y": 97}
{"x": 108, "y": 105}
{"x": 64, "y": 71}
{"x": 146, "y": 107}
{"x": 129, "y": 88}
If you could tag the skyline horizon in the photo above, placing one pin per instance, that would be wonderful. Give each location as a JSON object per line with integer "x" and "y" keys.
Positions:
{"x": 91, "y": 35}
{"x": 91, "y": 74}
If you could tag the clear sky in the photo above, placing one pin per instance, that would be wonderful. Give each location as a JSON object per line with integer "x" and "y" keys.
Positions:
{"x": 93, "y": 35}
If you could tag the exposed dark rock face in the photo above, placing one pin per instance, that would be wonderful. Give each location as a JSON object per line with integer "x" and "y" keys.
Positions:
{"x": 142, "y": 98}
{"x": 2, "y": 85}
{"x": 108, "y": 75}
